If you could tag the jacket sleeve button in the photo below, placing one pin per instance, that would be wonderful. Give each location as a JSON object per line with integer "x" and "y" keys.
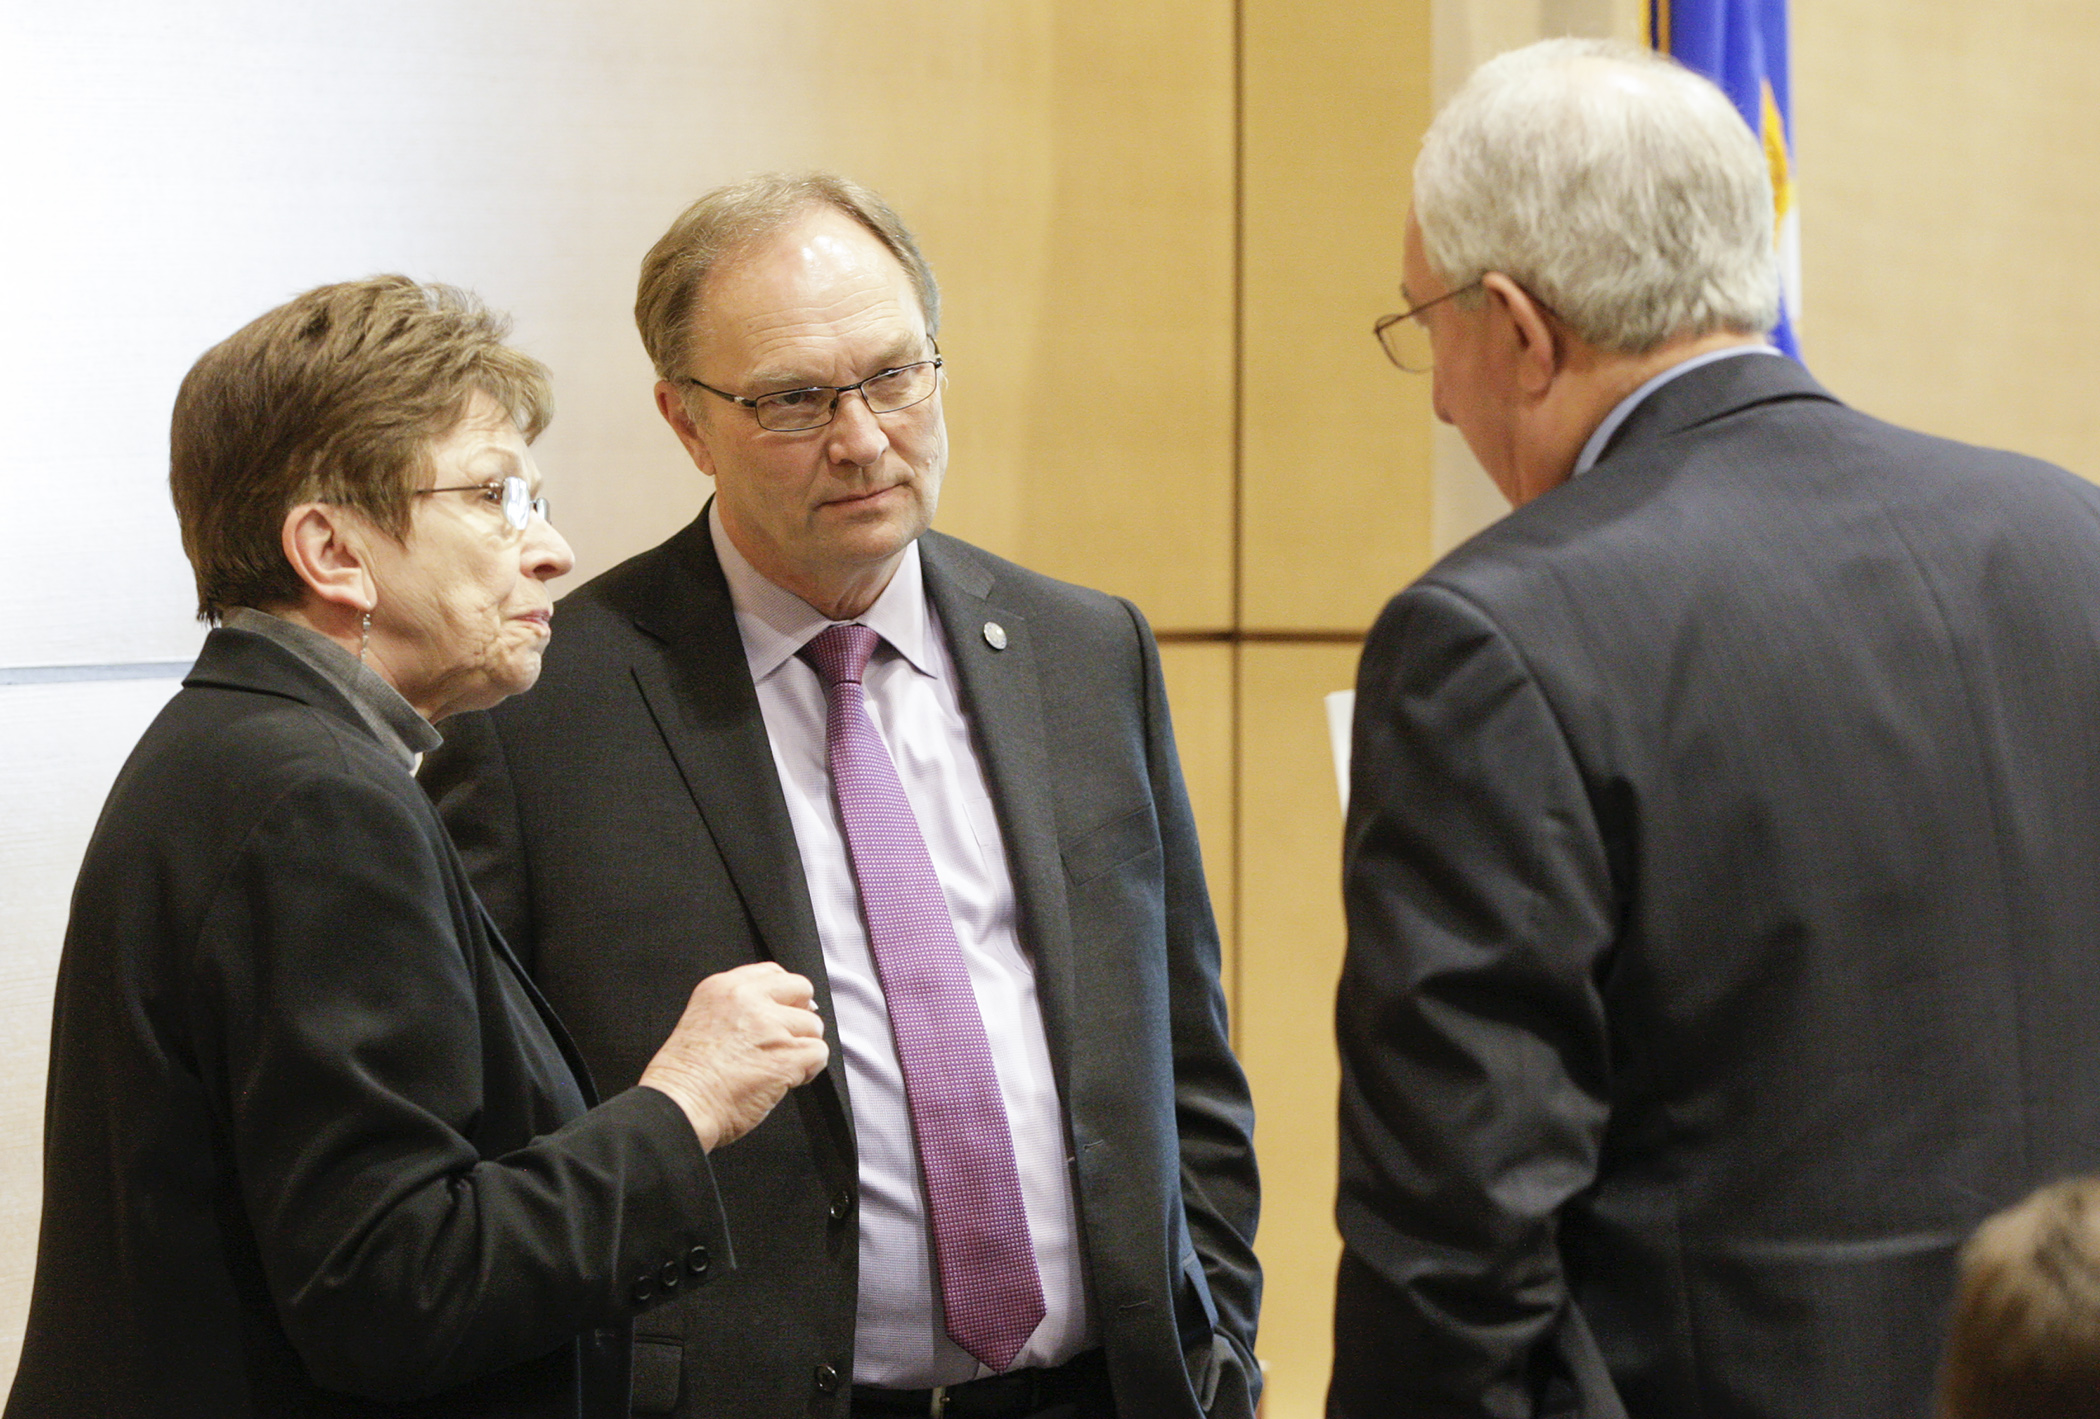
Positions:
{"x": 644, "y": 1289}
{"x": 827, "y": 1379}
{"x": 668, "y": 1276}
{"x": 696, "y": 1261}
{"x": 841, "y": 1204}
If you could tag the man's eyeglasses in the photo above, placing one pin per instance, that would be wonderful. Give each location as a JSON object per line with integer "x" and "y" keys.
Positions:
{"x": 513, "y": 494}
{"x": 1405, "y": 338}
{"x": 794, "y": 411}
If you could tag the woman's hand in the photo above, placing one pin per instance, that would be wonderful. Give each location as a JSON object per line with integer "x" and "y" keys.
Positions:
{"x": 747, "y": 1037}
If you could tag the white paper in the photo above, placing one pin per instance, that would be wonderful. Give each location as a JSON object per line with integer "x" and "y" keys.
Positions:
{"x": 1341, "y": 708}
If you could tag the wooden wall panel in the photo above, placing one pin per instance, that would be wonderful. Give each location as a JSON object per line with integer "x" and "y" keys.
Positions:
{"x": 1291, "y": 929}
{"x": 1335, "y": 493}
{"x": 1334, "y": 440}
{"x": 1069, "y": 167}
{"x": 1950, "y": 211}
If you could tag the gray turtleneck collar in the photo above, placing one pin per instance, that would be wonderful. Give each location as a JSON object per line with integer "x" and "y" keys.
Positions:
{"x": 392, "y": 720}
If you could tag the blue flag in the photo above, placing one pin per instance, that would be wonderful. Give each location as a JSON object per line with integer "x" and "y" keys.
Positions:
{"x": 1741, "y": 45}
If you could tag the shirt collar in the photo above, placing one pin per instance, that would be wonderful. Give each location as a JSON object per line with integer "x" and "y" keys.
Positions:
{"x": 775, "y": 623}
{"x": 1601, "y": 435}
{"x": 393, "y": 720}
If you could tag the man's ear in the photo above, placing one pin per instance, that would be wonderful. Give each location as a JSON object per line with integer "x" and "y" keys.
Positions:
{"x": 326, "y": 544}
{"x": 670, "y": 402}
{"x": 1539, "y": 349}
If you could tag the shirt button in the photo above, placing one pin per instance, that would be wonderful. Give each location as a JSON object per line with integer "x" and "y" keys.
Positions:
{"x": 827, "y": 1379}
{"x": 696, "y": 1261}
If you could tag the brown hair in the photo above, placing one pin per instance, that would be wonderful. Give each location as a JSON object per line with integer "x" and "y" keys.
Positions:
{"x": 2026, "y": 1335}
{"x": 730, "y": 219}
{"x": 335, "y": 396}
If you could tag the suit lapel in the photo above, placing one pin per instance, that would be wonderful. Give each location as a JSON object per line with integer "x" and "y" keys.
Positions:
{"x": 700, "y": 694}
{"x": 1001, "y": 694}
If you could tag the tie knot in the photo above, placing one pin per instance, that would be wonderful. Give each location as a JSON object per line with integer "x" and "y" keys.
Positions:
{"x": 840, "y": 653}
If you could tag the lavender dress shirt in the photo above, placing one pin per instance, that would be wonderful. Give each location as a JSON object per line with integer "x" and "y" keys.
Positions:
{"x": 900, "y": 1338}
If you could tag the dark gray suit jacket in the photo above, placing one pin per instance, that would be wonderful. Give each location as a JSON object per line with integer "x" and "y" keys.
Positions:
{"x": 1724, "y": 921}
{"x": 313, "y": 1144}
{"x": 626, "y": 826}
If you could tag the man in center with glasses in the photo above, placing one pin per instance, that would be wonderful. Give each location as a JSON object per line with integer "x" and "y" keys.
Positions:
{"x": 809, "y": 730}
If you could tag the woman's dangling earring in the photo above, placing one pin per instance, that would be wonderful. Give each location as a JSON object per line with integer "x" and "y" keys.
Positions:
{"x": 364, "y": 639}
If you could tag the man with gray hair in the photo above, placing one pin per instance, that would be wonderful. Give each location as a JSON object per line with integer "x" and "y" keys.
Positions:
{"x": 1724, "y": 935}
{"x": 808, "y": 729}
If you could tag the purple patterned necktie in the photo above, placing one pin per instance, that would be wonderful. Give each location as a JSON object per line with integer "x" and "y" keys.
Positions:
{"x": 993, "y": 1296}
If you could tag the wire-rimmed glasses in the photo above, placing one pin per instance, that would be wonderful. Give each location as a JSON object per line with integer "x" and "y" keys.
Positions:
{"x": 513, "y": 494}
{"x": 1404, "y": 337}
{"x": 794, "y": 411}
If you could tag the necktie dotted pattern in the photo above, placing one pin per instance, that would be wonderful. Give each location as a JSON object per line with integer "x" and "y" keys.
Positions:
{"x": 989, "y": 1286}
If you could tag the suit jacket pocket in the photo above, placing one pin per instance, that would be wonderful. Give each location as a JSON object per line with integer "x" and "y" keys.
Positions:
{"x": 1112, "y": 844}
{"x": 658, "y": 1367}
{"x": 1195, "y": 1312}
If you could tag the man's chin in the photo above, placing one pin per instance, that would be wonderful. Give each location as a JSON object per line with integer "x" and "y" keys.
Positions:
{"x": 870, "y": 532}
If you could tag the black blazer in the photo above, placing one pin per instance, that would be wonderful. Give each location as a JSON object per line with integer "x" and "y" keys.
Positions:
{"x": 1724, "y": 927}
{"x": 313, "y": 1143}
{"x": 626, "y": 826}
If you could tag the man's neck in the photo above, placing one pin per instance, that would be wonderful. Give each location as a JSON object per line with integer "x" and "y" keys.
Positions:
{"x": 1626, "y": 373}
{"x": 1591, "y": 384}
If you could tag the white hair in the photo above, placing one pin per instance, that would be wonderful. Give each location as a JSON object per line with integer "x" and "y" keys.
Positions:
{"x": 1613, "y": 184}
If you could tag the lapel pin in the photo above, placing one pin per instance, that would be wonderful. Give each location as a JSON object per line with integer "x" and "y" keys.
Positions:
{"x": 995, "y": 635}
